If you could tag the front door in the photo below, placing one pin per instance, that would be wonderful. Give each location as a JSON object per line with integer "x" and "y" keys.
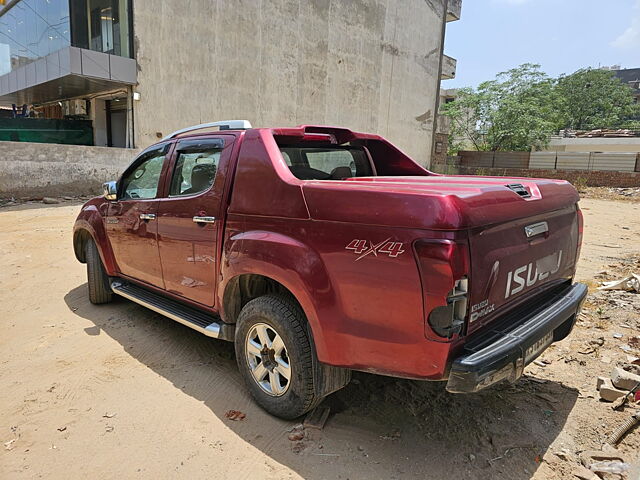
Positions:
{"x": 131, "y": 224}
{"x": 189, "y": 217}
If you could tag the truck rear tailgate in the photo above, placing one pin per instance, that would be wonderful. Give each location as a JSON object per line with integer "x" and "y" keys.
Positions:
{"x": 514, "y": 258}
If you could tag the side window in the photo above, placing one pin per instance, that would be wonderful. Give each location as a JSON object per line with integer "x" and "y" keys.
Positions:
{"x": 142, "y": 181}
{"x": 196, "y": 168}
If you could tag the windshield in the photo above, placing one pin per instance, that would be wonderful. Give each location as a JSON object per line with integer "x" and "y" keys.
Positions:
{"x": 327, "y": 163}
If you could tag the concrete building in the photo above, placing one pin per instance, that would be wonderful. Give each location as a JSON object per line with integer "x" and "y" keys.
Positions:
{"x": 631, "y": 77}
{"x": 443, "y": 127}
{"x": 139, "y": 69}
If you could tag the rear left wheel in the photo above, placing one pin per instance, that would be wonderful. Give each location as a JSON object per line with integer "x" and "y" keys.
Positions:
{"x": 275, "y": 357}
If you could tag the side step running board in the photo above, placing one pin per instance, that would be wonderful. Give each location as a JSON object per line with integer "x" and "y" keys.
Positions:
{"x": 183, "y": 314}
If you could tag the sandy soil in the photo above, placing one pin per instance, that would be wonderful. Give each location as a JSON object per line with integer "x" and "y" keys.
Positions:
{"x": 118, "y": 391}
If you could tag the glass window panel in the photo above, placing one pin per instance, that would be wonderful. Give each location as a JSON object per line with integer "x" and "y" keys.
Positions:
{"x": 32, "y": 29}
{"x": 195, "y": 171}
{"x": 142, "y": 181}
{"x": 327, "y": 163}
{"x": 29, "y": 28}
{"x": 22, "y": 53}
{"x": 7, "y": 44}
{"x": 107, "y": 22}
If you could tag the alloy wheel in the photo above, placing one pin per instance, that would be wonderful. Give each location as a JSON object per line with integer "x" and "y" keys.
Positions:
{"x": 268, "y": 359}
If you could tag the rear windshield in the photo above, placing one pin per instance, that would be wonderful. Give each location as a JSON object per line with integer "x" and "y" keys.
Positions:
{"x": 327, "y": 163}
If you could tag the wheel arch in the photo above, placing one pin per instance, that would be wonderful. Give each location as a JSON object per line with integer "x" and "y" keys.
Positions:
{"x": 89, "y": 225}
{"x": 259, "y": 263}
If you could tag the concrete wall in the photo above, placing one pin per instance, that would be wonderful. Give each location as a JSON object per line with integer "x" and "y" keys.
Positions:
{"x": 369, "y": 65}
{"x": 594, "y": 144}
{"x": 43, "y": 169}
{"x": 606, "y": 161}
{"x": 589, "y": 178}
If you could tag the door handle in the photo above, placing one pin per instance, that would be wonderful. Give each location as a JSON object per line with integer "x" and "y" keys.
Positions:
{"x": 536, "y": 229}
{"x": 204, "y": 219}
{"x": 147, "y": 216}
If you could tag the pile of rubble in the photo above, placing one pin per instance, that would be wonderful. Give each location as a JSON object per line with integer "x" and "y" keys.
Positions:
{"x": 622, "y": 387}
{"x": 599, "y": 132}
{"x": 11, "y": 201}
{"x": 626, "y": 192}
{"x": 624, "y": 383}
{"x": 606, "y": 132}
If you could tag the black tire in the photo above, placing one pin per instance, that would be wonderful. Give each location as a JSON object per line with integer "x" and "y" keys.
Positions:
{"x": 97, "y": 279}
{"x": 286, "y": 318}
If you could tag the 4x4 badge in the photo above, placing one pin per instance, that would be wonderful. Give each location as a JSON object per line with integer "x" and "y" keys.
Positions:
{"x": 364, "y": 248}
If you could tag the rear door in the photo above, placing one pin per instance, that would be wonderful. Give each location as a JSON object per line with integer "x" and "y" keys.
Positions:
{"x": 189, "y": 218}
{"x": 131, "y": 222}
{"x": 514, "y": 259}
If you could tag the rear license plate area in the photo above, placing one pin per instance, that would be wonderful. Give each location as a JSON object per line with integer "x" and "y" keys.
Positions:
{"x": 534, "y": 350}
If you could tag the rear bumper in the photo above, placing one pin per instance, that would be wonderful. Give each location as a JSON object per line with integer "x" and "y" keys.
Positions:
{"x": 503, "y": 351}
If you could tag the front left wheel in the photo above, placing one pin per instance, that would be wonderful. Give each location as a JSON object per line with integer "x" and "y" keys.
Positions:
{"x": 97, "y": 279}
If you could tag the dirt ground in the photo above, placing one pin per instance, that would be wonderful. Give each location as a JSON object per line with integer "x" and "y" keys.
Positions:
{"x": 117, "y": 391}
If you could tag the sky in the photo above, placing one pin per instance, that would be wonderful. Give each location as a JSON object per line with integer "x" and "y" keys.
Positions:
{"x": 561, "y": 35}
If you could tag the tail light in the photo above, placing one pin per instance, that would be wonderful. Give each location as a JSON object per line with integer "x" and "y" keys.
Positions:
{"x": 580, "y": 232}
{"x": 444, "y": 270}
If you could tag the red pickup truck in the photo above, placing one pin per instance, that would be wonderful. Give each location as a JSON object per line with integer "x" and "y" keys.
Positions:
{"x": 319, "y": 251}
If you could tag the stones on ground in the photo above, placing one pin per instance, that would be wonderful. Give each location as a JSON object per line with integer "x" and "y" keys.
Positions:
{"x": 624, "y": 380}
{"x": 50, "y": 200}
{"x": 632, "y": 368}
{"x": 597, "y": 342}
{"x": 296, "y": 436}
{"x": 566, "y": 456}
{"x": 630, "y": 284}
{"x": 235, "y": 415}
{"x": 297, "y": 433}
{"x": 609, "y": 393}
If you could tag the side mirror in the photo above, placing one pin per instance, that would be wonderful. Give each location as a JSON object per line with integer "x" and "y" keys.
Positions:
{"x": 110, "y": 190}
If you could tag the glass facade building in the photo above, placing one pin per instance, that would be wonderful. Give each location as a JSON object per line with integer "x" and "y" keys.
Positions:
{"x": 33, "y": 29}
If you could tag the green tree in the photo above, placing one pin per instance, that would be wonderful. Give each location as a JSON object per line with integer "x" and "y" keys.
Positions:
{"x": 594, "y": 98}
{"x": 464, "y": 113}
{"x": 513, "y": 112}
